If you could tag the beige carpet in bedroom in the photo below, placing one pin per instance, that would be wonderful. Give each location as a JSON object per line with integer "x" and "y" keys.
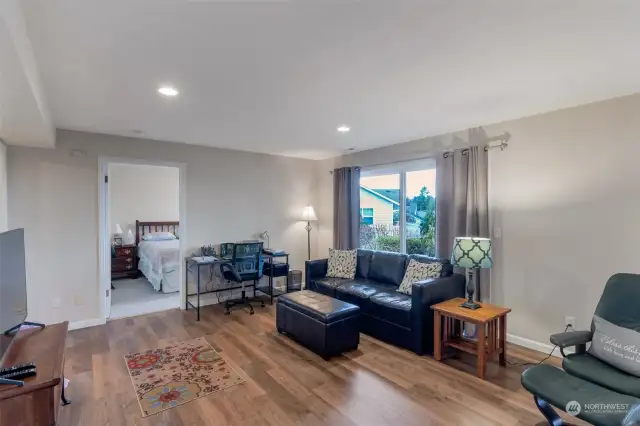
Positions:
{"x": 137, "y": 297}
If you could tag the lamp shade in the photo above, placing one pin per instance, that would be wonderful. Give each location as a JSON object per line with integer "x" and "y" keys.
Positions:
{"x": 308, "y": 214}
{"x": 472, "y": 252}
{"x": 118, "y": 229}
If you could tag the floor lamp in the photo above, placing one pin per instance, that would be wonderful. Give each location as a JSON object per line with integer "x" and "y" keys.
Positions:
{"x": 309, "y": 215}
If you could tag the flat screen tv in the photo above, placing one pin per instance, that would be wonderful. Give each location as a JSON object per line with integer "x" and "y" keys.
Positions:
{"x": 13, "y": 286}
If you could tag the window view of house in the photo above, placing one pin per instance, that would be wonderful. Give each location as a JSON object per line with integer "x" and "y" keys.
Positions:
{"x": 366, "y": 215}
{"x": 380, "y": 210}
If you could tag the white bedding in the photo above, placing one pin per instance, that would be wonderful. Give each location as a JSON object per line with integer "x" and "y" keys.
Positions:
{"x": 159, "y": 262}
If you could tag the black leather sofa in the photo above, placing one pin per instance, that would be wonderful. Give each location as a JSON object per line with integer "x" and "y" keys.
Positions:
{"x": 386, "y": 314}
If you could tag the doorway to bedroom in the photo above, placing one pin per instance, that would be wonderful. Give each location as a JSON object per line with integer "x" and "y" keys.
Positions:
{"x": 143, "y": 210}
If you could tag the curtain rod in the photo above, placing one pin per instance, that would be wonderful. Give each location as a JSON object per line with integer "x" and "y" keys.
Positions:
{"x": 357, "y": 168}
{"x": 503, "y": 139}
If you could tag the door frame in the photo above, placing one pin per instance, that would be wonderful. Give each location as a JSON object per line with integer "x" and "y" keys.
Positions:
{"x": 104, "y": 240}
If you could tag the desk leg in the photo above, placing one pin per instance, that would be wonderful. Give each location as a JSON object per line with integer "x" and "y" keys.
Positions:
{"x": 437, "y": 336}
{"x": 482, "y": 341}
{"x": 198, "y": 293}
{"x": 288, "y": 266}
{"x": 502, "y": 340}
{"x": 271, "y": 279}
{"x": 186, "y": 285}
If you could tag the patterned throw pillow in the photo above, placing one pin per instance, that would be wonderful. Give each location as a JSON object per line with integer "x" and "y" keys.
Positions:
{"x": 418, "y": 271}
{"x": 342, "y": 264}
{"x": 616, "y": 345}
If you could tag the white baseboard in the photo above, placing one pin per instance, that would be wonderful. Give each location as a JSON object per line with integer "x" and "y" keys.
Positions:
{"x": 532, "y": 344}
{"x": 86, "y": 323}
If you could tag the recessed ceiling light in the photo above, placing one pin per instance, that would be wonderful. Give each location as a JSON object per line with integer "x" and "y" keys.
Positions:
{"x": 344, "y": 129}
{"x": 168, "y": 91}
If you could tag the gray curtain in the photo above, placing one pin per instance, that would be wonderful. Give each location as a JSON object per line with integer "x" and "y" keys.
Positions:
{"x": 346, "y": 208}
{"x": 462, "y": 201}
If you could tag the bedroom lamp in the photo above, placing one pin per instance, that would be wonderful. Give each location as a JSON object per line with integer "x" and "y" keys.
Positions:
{"x": 308, "y": 215}
{"x": 471, "y": 253}
{"x": 117, "y": 235}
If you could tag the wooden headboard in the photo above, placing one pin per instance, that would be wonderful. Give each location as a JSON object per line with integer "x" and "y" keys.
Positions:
{"x": 147, "y": 227}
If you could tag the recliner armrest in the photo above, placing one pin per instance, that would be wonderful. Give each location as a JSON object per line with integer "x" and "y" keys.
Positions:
{"x": 314, "y": 269}
{"x": 571, "y": 338}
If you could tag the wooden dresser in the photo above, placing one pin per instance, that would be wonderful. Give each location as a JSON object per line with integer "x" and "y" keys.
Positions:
{"x": 125, "y": 262}
{"x": 38, "y": 401}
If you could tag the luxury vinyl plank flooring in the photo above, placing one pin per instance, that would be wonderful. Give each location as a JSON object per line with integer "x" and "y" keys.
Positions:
{"x": 288, "y": 385}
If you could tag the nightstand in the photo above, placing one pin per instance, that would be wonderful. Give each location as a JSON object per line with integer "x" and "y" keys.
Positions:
{"x": 125, "y": 262}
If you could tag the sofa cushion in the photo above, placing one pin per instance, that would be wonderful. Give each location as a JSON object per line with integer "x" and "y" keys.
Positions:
{"x": 387, "y": 267}
{"x": 359, "y": 291}
{"x": 391, "y": 306}
{"x": 342, "y": 264}
{"x": 593, "y": 370}
{"x": 363, "y": 263}
{"x": 327, "y": 285}
{"x": 418, "y": 271}
{"x": 447, "y": 267}
{"x": 364, "y": 288}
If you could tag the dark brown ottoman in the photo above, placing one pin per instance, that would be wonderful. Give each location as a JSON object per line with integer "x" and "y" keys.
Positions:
{"x": 321, "y": 323}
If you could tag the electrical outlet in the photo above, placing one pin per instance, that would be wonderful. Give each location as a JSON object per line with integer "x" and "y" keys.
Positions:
{"x": 56, "y": 303}
{"x": 497, "y": 232}
{"x": 571, "y": 322}
{"x": 77, "y": 300}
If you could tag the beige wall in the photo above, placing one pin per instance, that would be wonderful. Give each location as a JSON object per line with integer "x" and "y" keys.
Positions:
{"x": 230, "y": 195}
{"x": 382, "y": 210}
{"x": 563, "y": 195}
{"x": 3, "y": 188}
{"x": 141, "y": 192}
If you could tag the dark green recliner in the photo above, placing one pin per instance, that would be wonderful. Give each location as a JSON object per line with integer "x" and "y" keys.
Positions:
{"x": 586, "y": 379}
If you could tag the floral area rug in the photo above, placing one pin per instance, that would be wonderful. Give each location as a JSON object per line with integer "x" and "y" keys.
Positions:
{"x": 167, "y": 377}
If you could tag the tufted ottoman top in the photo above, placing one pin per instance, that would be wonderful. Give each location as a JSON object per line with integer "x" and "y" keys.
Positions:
{"x": 319, "y": 306}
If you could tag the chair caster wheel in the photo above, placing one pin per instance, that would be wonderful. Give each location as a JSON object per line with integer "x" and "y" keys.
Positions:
{"x": 227, "y": 313}
{"x": 262, "y": 304}
{"x": 251, "y": 313}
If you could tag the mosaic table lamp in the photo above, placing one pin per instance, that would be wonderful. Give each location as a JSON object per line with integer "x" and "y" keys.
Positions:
{"x": 471, "y": 253}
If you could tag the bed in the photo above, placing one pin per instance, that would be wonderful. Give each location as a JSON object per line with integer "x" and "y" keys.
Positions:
{"x": 159, "y": 261}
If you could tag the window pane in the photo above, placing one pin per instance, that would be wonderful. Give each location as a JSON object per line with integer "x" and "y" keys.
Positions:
{"x": 367, "y": 211}
{"x": 379, "y": 212}
{"x": 366, "y": 221}
{"x": 420, "y": 228}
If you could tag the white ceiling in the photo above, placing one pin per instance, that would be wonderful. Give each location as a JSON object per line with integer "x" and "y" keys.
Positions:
{"x": 280, "y": 76}
{"x": 24, "y": 113}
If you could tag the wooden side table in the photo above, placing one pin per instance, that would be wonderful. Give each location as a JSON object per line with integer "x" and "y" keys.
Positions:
{"x": 37, "y": 402}
{"x": 491, "y": 324}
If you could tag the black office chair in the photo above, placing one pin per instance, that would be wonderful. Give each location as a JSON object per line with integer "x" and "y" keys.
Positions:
{"x": 246, "y": 264}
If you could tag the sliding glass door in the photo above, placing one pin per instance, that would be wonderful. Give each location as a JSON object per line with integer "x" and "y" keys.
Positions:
{"x": 397, "y": 208}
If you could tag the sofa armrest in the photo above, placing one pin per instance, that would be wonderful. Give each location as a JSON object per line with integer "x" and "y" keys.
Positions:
{"x": 435, "y": 290}
{"x": 314, "y": 269}
{"x": 424, "y": 294}
{"x": 579, "y": 339}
